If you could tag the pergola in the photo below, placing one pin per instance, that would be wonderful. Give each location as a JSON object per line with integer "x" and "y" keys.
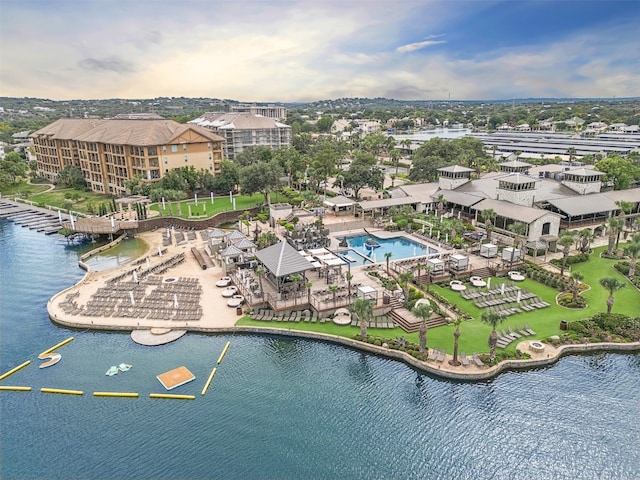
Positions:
{"x": 281, "y": 261}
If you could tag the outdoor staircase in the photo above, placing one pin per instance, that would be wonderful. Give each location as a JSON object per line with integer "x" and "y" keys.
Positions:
{"x": 482, "y": 272}
{"x": 410, "y": 323}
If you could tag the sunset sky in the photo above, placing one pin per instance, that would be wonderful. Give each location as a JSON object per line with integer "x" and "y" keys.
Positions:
{"x": 279, "y": 50}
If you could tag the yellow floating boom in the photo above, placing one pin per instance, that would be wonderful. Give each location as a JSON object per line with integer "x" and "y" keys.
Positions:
{"x": 170, "y": 395}
{"x": 116, "y": 394}
{"x": 224, "y": 351}
{"x": 14, "y": 370}
{"x": 10, "y": 387}
{"x": 57, "y": 346}
{"x": 59, "y": 390}
{"x": 206, "y": 385}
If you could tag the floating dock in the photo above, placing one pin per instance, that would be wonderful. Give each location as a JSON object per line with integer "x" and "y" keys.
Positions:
{"x": 14, "y": 370}
{"x": 168, "y": 395}
{"x": 176, "y": 377}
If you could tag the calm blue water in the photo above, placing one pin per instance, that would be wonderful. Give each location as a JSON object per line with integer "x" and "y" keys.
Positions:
{"x": 399, "y": 248}
{"x": 281, "y": 408}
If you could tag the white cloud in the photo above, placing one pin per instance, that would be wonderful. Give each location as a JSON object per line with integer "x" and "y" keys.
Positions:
{"x": 412, "y": 47}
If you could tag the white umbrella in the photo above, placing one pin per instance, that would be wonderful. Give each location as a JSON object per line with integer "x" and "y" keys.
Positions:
{"x": 133, "y": 300}
{"x": 148, "y": 264}
{"x": 135, "y": 276}
{"x": 489, "y": 283}
{"x": 502, "y": 288}
{"x": 175, "y": 300}
{"x": 519, "y": 296}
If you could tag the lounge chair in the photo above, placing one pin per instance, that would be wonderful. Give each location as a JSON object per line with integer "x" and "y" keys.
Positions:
{"x": 477, "y": 361}
{"x": 528, "y": 329}
{"x": 522, "y": 331}
{"x": 514, "y": 334}
{"x": 433, "y": 354}
{"x": 441, "y": 356}
{"x": 463, "y": 359}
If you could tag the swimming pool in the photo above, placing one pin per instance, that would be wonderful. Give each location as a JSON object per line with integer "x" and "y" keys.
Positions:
{"x": 400, "y": 247}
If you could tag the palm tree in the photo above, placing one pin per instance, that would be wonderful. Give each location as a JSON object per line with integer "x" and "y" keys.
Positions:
{"x": 309, "y": 285}
{"x": 395, "y": 158}
{"x": 260, "y": 273}
{"x": 440, "y": 204}
{"x": 423, "y": 312}
{"x": 519, "y": 230}
{"x": 576, "y": 278}
{"x": 613, "y": 224}
{"x": 349, "y": 277}
{"x": 295, "y": 278}
{"x": 492, "y": 319}
{"x": 387, "y": 256}
{"x": 585, "y": 237}
{"x": 632, "y": 250}
{"x": 625, "y": 207}
{"x": 363, "y": 310}
{"x": 333, "y": 289}
{"x": 405, "y": 279}
{"x": 419, "y": 266}
{"x": 456, "y": 336}
{"x": 612, "y": 285}
{"x": 565, "y": 240}
{"x": 488, "y": 217}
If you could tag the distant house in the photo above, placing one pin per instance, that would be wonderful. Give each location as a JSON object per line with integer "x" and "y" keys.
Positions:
{"x": 21, "y": 137}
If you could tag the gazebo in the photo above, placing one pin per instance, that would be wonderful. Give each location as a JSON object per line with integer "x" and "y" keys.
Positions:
{"x": 281, "y": 261}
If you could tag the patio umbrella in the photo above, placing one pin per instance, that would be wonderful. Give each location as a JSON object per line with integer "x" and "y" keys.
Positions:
{"x": 175, "y": 300}
{"x": 502, "y": 289}
{"x": 133, "y": 300}
{"x": 489, "y": 283}
{"x": 519, "y": 296}
{"x": 148, "y": 264}
{"x": 135, "y": 276}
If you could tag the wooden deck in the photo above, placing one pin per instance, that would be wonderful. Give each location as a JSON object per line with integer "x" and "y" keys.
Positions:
{"x": 176, "y": 377}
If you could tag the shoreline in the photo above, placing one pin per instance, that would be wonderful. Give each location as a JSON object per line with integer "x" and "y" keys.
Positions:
{"x": 219, "y": 319}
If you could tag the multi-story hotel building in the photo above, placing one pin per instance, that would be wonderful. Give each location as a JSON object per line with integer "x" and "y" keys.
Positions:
{"x": 277, "y": 112}
{"x": 109, "y": 152}
{"x": 242, "y": 130}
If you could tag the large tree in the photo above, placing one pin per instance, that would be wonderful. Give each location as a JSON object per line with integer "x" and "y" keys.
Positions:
{"x": 565, "y": 241}
{"x": 71, "y": 177}
{"x": 263, "y": 177}
{"x": 228, "y": 178}
{"x": 255, "y": 154}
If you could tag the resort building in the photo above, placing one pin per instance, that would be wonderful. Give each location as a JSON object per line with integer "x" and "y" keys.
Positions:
{"x": 242, "y": 130}
{"x": 277, "y": 112}
{"x": 110, "y": 152}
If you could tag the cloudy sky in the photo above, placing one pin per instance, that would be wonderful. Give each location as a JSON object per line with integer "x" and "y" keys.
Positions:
{"x": 281, "y": 50}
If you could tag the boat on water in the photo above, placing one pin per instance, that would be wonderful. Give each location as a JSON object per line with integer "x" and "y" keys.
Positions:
{"x": 53, "y": 358}
{"x": 123, "y": 367}
{"x": 111, "y": 371}
{"x": 371, "y": 243}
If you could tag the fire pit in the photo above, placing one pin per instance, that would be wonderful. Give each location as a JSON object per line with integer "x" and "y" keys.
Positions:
{"x": 536, "y": 346}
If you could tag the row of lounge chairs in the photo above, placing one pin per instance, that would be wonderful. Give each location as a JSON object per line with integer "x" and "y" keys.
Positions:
{"x": 439, "y": 356}
{"x": 505, "y": 338}
{"x": 478, "y": 292}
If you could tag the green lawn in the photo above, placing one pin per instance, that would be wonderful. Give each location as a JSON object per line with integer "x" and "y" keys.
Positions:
{"x": 205, "y": 208}
{"x": 23, "y": 189}
{"x": 474, "y": 333}
{"x": 56, "y": 198}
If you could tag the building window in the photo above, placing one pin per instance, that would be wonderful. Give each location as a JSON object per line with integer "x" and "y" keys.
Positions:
{"x": 164, "y": 148}
{"x": 174, "y": 148}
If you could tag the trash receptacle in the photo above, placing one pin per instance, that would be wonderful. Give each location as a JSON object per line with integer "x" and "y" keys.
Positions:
{"x": 239, "y": 310}
{"x": 564, "y": 325}
{"x": 386, "y": 299}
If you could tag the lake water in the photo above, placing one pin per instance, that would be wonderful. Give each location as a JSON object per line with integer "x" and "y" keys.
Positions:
{"x": 283, "y": 408}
